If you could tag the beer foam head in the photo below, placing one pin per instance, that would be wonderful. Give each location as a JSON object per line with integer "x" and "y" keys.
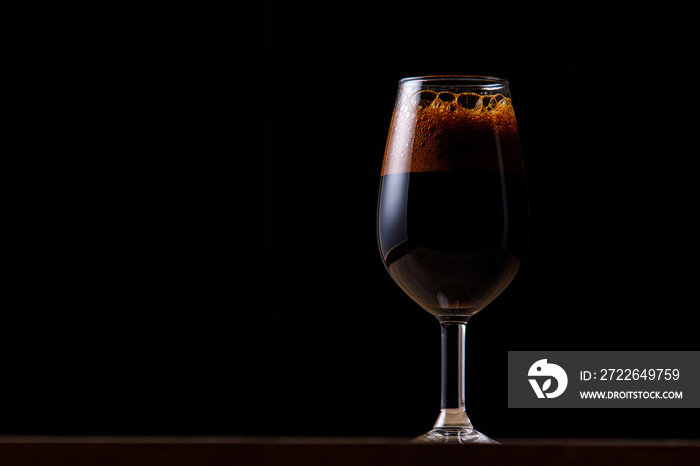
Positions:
{"x": 437, "y": 130}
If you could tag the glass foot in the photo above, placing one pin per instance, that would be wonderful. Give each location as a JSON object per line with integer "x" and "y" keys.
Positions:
{"x": 453, "y": 436}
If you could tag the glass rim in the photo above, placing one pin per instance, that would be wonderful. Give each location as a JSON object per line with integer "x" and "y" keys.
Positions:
{"x": 456, "y": 80}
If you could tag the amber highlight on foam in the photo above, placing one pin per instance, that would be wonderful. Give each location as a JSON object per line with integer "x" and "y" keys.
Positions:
{"x": 442, "y": 131}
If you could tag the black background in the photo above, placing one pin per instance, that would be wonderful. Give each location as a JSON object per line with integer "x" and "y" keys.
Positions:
{"x": 191, "y": 248}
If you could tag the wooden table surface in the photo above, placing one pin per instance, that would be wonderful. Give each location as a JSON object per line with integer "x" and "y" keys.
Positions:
{"x": 203, "y": 451}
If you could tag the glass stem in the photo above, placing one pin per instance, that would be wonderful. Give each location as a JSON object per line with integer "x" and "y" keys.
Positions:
{"x": 453, "y": 415}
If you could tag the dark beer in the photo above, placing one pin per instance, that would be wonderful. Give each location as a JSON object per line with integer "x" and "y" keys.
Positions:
{"x": 453, "y": 217}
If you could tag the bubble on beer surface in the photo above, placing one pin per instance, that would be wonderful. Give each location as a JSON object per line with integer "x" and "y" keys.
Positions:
{"x": 439, "y": 131}
{"x": 468, "y": 100}
{"x": 427, "y": 95}
{"x": 425, "y": 98}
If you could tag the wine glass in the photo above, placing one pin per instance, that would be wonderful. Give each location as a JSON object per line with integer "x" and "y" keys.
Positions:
{"x": 453, "y": 218}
